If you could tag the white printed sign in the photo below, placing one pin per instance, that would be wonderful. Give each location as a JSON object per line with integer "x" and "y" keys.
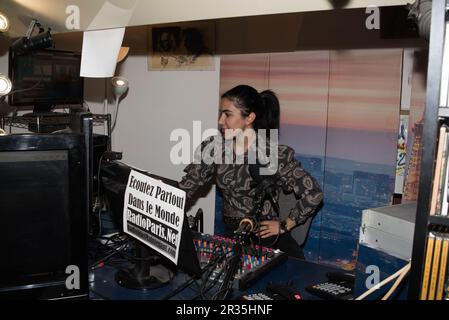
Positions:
{"x": 153, "y": 213}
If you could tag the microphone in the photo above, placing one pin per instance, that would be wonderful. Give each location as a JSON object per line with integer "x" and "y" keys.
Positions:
{"x": 265, "y": 185}
{"x": 246, "y": 226}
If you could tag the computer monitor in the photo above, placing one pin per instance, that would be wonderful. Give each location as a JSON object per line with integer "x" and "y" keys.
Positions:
{"x": 114, "y": 179}
{"x": 45, "y": 79}
{"x": 43, "y": 213}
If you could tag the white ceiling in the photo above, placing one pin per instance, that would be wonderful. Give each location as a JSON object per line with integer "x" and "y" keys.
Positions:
{"x": 104, "y": 14}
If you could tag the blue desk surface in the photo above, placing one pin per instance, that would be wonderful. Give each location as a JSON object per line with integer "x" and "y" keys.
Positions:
{"x": 301, "y": 273}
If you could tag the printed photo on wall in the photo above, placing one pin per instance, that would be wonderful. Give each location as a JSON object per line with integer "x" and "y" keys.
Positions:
{"x": 186, "y": 47}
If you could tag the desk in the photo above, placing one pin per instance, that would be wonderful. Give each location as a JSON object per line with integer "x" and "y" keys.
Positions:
{"x": 302, "y": 273}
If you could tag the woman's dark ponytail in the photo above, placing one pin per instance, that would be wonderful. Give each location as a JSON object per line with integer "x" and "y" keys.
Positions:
{"x": 271, "y": 114}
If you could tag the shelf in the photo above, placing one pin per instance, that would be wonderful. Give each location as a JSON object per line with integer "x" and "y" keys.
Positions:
{"x": 443, "y": 112}
{"x": 24, "y": 122}
{"x": 438, "y": 52}
{"x": 439, "y": 220}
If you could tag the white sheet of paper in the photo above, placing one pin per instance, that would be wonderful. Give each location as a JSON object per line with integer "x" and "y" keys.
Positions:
{"x": 112, "y": 16}
{"x": 100, "y": 52}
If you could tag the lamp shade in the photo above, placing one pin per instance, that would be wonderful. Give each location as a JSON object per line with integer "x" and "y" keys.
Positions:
{"x": 120, "y": 85}
{"x": 123, "y": 53}
{"x": 5, "y": 85}
{"x": 4, "y": 22}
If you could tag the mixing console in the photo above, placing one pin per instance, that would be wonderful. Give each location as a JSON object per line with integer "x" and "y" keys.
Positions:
{"x": 255, "y": 261}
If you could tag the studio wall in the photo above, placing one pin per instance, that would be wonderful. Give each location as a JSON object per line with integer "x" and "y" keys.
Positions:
{"x": 340, "y": 112}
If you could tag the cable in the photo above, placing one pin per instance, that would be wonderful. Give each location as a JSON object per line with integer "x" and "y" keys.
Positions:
{"x": 117, "y": 106}
{"x": 26, "y": 89}
{"x": 204, "y": 288}
{"x": 125, "y": 255}
{"x": 382, "y": 283}
{"x": 215, "y": 296}
{"x": 397, "y": 282}
{"x": 211, "y": 264}
{"x": 102, "y": 260}
{"x": 209, "y": 269}
{"x": 113, "y": 249}
{"x": 98, "y": 201}
{"x": 98, "y": 176}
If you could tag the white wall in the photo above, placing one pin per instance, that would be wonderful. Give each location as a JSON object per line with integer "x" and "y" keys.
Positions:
{"x": 157, "y": 103}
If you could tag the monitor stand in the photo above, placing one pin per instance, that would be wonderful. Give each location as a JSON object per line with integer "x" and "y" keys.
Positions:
{"x": 44, "y": 113}
{"x": 147, "y": 273}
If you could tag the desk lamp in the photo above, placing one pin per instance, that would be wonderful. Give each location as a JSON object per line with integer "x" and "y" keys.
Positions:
{"x": 5, "y": 85}
{"x": 120, "y": 85}
{"x": 4, "y": 22}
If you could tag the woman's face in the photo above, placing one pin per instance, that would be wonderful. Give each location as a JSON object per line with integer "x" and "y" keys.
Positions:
{"x": 230, "y": 117}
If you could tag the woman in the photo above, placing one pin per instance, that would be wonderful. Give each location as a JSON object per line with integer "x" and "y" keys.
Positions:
{"x": 243, "y": 113}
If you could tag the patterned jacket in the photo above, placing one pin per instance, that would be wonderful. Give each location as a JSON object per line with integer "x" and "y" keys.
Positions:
{"x": 239, "y": 188}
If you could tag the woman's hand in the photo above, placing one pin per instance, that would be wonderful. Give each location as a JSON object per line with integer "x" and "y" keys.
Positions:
{"x": 269, "y": 228}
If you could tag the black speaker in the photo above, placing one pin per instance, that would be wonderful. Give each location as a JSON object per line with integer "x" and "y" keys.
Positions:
{"x": 44, "y": 211}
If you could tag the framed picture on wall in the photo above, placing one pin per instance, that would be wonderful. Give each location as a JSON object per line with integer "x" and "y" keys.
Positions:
{"x": 183, "y": 47}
